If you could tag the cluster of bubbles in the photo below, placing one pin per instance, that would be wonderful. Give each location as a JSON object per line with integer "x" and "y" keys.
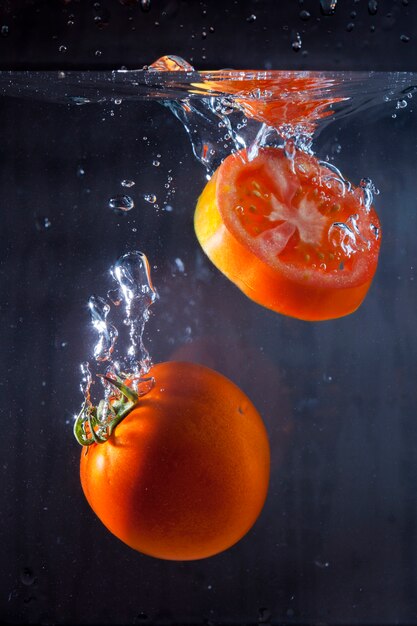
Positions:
{"x": 135, "y": 293}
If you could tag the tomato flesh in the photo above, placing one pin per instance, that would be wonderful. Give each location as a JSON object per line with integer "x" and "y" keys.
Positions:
{"x": 285, "y": 99}
{"x": 306, "y": 244}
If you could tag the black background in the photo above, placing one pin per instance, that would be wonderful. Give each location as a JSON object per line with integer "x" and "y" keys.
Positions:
{"x": 211, "y": 35}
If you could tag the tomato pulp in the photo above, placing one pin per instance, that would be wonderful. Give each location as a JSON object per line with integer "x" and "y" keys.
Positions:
{"x": 185, "y": 475}
{"x": 285, "y": 98}
{"x": 290, "y": 233}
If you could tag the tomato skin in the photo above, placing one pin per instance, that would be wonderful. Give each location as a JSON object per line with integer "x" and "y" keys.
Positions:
{"x": 312, "y": 299}
{"x": 185, "y": 475}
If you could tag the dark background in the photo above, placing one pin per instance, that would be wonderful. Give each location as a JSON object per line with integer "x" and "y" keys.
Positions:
{"x": 337, "y": 540}
{"x": 212, "y": 35}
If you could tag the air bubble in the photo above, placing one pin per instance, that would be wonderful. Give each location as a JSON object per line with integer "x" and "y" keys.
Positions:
{"x": 401, "y": 104}
{"x": 372, "y": 7}
{"x": 296, "y": 42}
{"x": 121, "y": 203}
{"x": 99, "y": 309}
{"x": 405, "y": 38}
{"x": 328, "y": 7}
{"x": 150, "y": 197}
{"x": 127, "y": 183}
{"x": 251, "y": 18}
{"x": 43, "y": 223}
{"x": 305, "y": 15}
{"x": 180, "y": 265}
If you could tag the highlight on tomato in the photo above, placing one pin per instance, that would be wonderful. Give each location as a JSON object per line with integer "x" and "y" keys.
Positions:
{"x": 183, "y": 473}
{"x": 290, "y": 232}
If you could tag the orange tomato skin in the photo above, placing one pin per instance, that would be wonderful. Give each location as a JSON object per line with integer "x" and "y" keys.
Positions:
{"x": 260, "y": 282}
{"x": 185, "y": 475}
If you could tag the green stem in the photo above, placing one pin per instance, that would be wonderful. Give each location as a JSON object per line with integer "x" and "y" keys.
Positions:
{"x": 88, "y": 416}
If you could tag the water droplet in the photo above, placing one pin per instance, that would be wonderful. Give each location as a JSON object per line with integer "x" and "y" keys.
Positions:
{"x": 305, "y": 15}
{"x": 251, "y": 18}
{"x": 145, "y": 5}
{"x": 43, "y": 223}
{"x": 321, "y": 564}
{"x": 80, "y": 171}
{"x": 127, "y": 183}
{"x": 342, "y": 236}
{"x": 394, "y": 115}
{"x": 405, "y": 38}
{"x": 4, "y": 30}
{"x": 98, "y": 53}
{"x": 372, "y": 7}
{"x": 180, "y": 265}
{"x": 62, "y": 48}
{"x": 401, "y": 104}
{"x": 150, "y": 197}
{"x": 328, "y": 7}
{"x": 27, "y": 576}
{"x": 350, "y": 27}
{"x": 121, "y": 203}
{"x": 156, "y": 163}
{"x": 374, "y": 230}
{"x": 296, "y": 42}
{"x": 118, "y": 101}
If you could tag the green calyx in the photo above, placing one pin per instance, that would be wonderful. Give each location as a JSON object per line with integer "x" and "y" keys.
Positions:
{"x": 96, "y": 424}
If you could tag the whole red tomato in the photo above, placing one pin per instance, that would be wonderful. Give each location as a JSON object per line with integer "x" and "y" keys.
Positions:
{"x": 185, "y": 475}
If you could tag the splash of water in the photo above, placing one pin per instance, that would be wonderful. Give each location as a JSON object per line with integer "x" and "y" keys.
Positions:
{"x": 132, "y": 273}
{"x": 135, "y": 291}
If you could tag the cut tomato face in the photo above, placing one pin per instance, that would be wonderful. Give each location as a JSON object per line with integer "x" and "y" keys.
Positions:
{"x": 290, "y": 232}
{"x": 287, "y": 98}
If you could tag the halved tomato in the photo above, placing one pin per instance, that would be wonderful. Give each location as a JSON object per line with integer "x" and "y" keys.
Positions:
{"x": 284, "y": 98}
{"x": 291, "y": 233}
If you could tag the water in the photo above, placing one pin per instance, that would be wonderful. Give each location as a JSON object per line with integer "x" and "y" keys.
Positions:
{"x": 335, "y": 541}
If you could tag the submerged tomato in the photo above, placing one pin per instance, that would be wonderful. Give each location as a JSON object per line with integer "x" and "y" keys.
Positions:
{"x": 283, "y": 98}
{"x": 185, "y": 474}
{"x": 290, "y": 233}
